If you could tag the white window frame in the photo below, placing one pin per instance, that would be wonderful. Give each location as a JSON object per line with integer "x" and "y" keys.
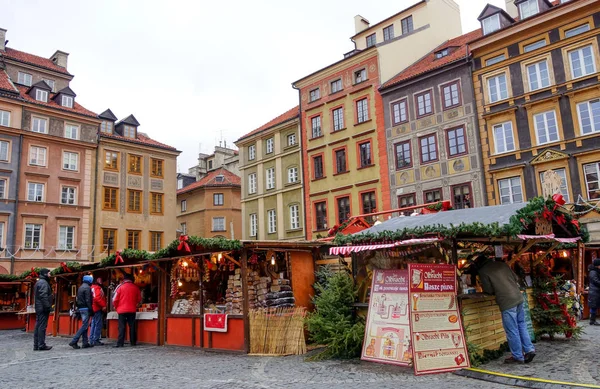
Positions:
{"x": 292, "y": 174}
{"x": 270, "y": 145}
{"x": 106, "y": 127}
{"x": 491, "y": 24}
{"x": 32, "y": 229}
{"x": 360, "y": 76}
{"x": 67, "y": 101}
{"x": 291, "y": 139}
{"x": 68, "y": 195}
{"x": 70, "y": 161}
{"x": 452, "y": 98}
{"x": 4, "y": 151}
{"x": 315, "y": 123}
{"x": 71, "y": 131}
{"x": 66, "y": 242}
{"x": 594, "y": 125}
{"x": 504, "y": 137}
{"x": 41, "y": 95}
{"x": 577, "y": 30}
{"x": 179, "y": 183}
{"x": 502, "y": 94}
{"x": 39, "y": 155}
{"x": 338, "y": 118}
{"x": 362, "y": 110}
{"x": 272, "y": 221}
{"x": 546, "y": 118}
{"x": 3, "y": 190}
{"x": 252, "y": 183}
{"x": 38, "y": 123}
{"x": 581, "y": 57}
{"x": 51, "y": 83}
{"x": 183, "y": 205}
{"x": 424, "y": 103}
{"x": 129, "y": 132}
{"x": 24, "y": 78}
{"x": 218, "y": 224}
{"x": 529, "y": 8}
{"x": 314, "y": 95}
{"x": 270, "y": 182}
{"x": 596, "y": 166}
{"x": 336, "y": 85}
{"x": 38, "y": 192}
{"x": 4, "y": 118}
{"x": 399, "y": 112}
{"x": 537, "y": 75}
{"x": 251, "y": 152}
{"x": 294, "y": 216}
{"x": 253, "y": 224}
{"x": 511, "y": 181}
{"x": 564, "y": 187}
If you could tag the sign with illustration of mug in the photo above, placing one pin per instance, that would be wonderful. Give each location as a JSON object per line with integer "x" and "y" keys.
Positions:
{"x": 437, "y": 335}
{"x": 387, "y": 331}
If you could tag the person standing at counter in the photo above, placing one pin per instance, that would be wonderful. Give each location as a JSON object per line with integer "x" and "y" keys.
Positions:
{"x": 43, "y": 305}
{"x": 499, "y": 280}
{"x": 99, "y": 306}
{"x": 85, "y": 307}
{"x": 594, "y": 291}
{"x": 126, "y": 300}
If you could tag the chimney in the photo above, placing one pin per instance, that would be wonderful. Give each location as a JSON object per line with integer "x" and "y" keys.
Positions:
{"x": 2, "y": 38}
{"x": 60, "y": 58}
{"x": 361, "y": 24}
{"x": 511, "y": 8}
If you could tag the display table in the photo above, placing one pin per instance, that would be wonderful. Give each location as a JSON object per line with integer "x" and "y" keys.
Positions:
{"x": 146, "y": 322}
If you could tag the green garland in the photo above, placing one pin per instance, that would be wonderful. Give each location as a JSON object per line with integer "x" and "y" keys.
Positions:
{"x": 72, "y": 265}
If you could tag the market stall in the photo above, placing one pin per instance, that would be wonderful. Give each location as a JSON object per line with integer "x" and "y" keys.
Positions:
{"x": 14, "y": 297}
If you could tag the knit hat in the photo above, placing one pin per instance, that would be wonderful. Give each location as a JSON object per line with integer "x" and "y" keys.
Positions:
{"x": 88, "y": 279}
{"x": 44, "y": 272}
{"x": 596, "y": 262}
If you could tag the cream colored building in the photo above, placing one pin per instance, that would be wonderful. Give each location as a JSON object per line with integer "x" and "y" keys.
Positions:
{"x": 136, "y": 189}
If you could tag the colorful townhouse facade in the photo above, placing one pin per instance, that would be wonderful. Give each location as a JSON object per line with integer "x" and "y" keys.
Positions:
{"x": 210, "y": 207}
{"x": 272, "y": 180}
{"x": 536, "y": 84}
{"x": 345, "y": 163}
{"x": 431, "y": 130}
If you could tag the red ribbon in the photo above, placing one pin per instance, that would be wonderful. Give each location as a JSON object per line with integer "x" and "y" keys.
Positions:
{"x": 118, "y": 258}
{"x": 65, "y": 268}
{"x": 547, "y": 214}
{"x": 558, "y": 199}
{"x": 575, "y": 223}
{"x": 183, "y": 244}
{"x": 561, "y": 219}
{"x": 33, "y": 273}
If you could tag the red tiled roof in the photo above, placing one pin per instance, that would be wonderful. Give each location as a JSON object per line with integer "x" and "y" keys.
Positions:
{"x": 430, "y": 62}
{"x": 33, "y": 60}
{"x": 5, "y": 83}
{"x": 53, "y": 104}
{"x": 142, "y": 139}
{"x": 229, "y": 179}
{"x": 292, "y": 113}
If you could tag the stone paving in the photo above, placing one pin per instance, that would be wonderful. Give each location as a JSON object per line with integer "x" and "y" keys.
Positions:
{"x": 167, "y": 367}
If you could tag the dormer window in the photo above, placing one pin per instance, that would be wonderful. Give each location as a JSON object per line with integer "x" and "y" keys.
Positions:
{"x": 50, "y": 83}
{"x": 67, "y": 101}
{"x": 220, "y": 178}
{"x": 106, "y": 127}
{"x": 529, "y": 8}
{"x": 491, "y": 24}
{"x": 442, "y": 53}
{"x": 41, "y": 95}
{"x": 360, "y": 76}
{"x": 129, "y": 132}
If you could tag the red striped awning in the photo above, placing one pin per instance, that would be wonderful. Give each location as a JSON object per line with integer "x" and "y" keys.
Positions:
{"x": 345, "y": 250}
{"x": 549, "y": 237}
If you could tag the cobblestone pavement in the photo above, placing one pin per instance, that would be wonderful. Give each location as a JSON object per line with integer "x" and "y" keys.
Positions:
{"x": 166, "y": 367}
{"x": 561, "y": 359}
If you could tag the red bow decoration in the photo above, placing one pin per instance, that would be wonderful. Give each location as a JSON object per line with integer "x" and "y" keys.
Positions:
{"x": 576, "y": 224}
{"x": 65, "y": 268}
{"x": 34, "y": 273}
{"x": 183, "y": 244}
{"x": 547, "y": 214}
{"x": 118, "y": 258}
{"x": 558, "y": 199}
{"x": 560, "y": 219}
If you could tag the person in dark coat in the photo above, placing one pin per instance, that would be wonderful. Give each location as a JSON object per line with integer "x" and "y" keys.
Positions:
{"x": 85, "y": 306}
{"x": 594, "y": 291}
{"x": 42, "y": 293}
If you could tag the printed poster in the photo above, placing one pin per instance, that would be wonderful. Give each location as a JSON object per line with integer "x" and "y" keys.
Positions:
{"x": 437, "y": 334}
{"x": 387, "y": 332}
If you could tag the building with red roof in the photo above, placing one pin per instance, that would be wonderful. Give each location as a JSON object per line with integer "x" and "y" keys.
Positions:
{"x": 430, "y": 127}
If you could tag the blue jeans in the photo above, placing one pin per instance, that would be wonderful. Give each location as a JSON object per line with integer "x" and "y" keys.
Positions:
{"x": 96, "y": 327}
{"x": 83, "y": 330}
{"x": 519, "y": 342}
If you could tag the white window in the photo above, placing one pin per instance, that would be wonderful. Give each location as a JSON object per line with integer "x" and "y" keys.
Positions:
{"x": 292, "y": 175}
{"x": 41, "y": 95}
{"x": 67, "y": 101}
{"x": 252, "y": 183}
{"x": 253, "y": 224}
{"x": 336, "y": 86}
{"x": 582, "y": 62}
{"x": 577, "y": 30}
{"x": 270, "y": 143}
{"x": 2, "y": 234}
{"x": 179, "y": 183}
{"x": 67, "y": 195}
{"x": 360, "y": 76}
{"x": 251, "y": 152}
{"x": 3, "y": 190}
{"x": 497, "y": 88}
{"x": 491, "y": 24}
{"x": 510, "y": 190}
{"x": 564, "y": 188}
{"x": 338, "y": 119}
{"x": 503, "y": 138}
{"x": 538, "y": 75}
{"x": 35, "y": 192}
{"x": 362, "y": 110}
{"x": 183, "y": 228}
{"x": 33, "y": 236}
{"x": 4, "y": 151}
{"x": 316, "y": 126}
{"x": 592, "y": 180}
{"x": 546, "y": 128}
{"x": 50, "y": 83}
{"x": 589, "y": 116}
{"x": 424, "y": 106}
{"x": 271, "y": 178}
{"x": 183, "y": 205}
{"x": 315, "y": 94}
{"x": 66, "y": 237}
{"x": 451, "y": 95}
{"x": 37, "y": 156}
{"x": 4, "y": 118}
{"x": 291, "y": 139}
{"x": 494, "y": 60}
{"x": 272, "y": 216}
{"x": 25, "y": 79}
{"x": 71, "y": 131}
{"x": 129, "y": 132}
{"x": 534, "y": 46}
{"x": 70, "y": 160}
{"x": 218, "y": 224}
{"x": 106, "y": 127}
{"x": 294, "y": 216}
{"x": 39, "y": 125}
{"x": 399, "y": 111}
{"x": 528, "y": 8}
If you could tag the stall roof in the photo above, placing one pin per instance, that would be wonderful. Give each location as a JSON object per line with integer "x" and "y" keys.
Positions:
{"x": 285, "y": 244}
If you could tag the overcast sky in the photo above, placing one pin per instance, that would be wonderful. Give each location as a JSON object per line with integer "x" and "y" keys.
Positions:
{"x": 195, "y": 72}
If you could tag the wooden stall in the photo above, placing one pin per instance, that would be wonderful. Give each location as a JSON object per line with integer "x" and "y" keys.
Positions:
{"x": 14, "y": 298}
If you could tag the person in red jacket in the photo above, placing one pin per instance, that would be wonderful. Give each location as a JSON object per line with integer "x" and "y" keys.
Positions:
{"x": 126, "y": 299}
{"x": 98, "y": 305}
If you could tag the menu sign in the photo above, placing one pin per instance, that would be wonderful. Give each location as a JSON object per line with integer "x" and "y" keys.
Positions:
{"x": 437, "y": 335}
{"x": 387, "y": 332}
